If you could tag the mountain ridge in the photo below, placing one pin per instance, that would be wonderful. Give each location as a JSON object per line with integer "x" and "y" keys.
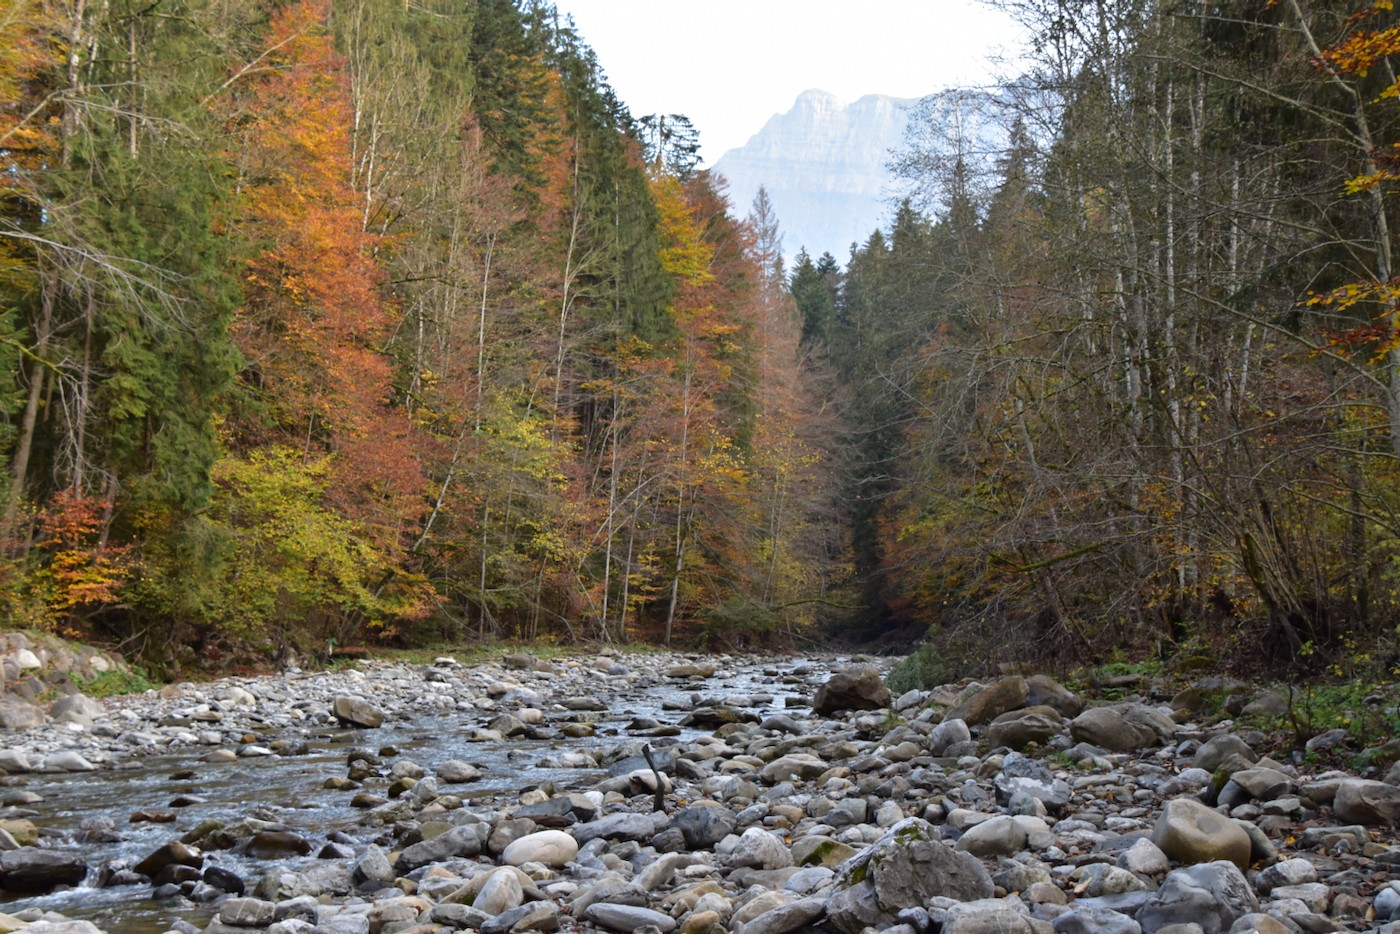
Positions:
{"x": 823, "y": 164}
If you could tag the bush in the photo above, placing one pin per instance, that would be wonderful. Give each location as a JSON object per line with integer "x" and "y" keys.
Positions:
{"x": 926, "y": 668}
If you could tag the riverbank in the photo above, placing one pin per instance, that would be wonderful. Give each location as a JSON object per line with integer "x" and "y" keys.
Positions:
{"x": 794, "y": 794}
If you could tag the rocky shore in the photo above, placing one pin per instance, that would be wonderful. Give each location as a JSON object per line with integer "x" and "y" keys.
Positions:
{"x": 820, "y": 803}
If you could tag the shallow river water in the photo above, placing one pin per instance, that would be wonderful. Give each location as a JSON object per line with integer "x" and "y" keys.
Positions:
{"x": 289, "y": 789}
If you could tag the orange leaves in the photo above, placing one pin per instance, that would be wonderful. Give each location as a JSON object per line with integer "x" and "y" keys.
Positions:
{"x": 83, "y": 568}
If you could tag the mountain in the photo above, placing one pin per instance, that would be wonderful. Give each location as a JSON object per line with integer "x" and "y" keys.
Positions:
{"x": 823, "y": 164}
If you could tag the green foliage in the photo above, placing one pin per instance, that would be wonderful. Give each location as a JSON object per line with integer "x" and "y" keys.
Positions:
{"x": 291, "y": 568}
{"x": 922, "y": 669}
{"x": 114, "y": 683}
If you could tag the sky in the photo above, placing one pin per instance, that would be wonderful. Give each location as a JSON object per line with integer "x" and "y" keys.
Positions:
{"x": 729, "y": 65}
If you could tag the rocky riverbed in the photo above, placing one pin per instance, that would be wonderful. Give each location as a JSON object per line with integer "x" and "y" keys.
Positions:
{"x": 661, "y": 793}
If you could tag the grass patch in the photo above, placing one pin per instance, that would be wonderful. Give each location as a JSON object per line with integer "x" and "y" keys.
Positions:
{"x": 114, "y": 683}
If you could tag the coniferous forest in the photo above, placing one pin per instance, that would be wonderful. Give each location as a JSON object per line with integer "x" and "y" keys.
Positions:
{"x": 333, "y": 323}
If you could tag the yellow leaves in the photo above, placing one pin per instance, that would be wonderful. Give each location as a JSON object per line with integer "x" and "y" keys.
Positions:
{"x": 685, "y": 253}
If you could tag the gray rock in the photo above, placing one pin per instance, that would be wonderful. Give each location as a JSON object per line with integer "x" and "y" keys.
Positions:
{"x": 1019, "y": 728}
{"x": 1002, "y": 835}
{"x": 30, "y": 870}
{"x": 857, "y": 687}
{"x": 903, "y": 869}
{"x": 66, "y": 761}
{"x": 627, "y": 917}
{"x": 1190, "y": 832}
{"x": 501, "y": 892}
{"x": 623, "y": 826}
{"x": 247, "y": 912}
{"x": 1211, "y": 895}
{"x": 357, "y": 712}
{"x": 374, "y": 866}
{"x": 1094, "y": 920}
{"x": 760, "y": 849}
{"x": 1370, "y": 803}
{"x": 987, "y": 916}
{"x": 1144, "y": 858}
{"x": 77, "y": 708}
{"x": 1256, "y": 784}
{"x": 14, "y": 761}
{"x": 1110, "y": 729}
{"x": 791, "y": 917}
{"x": 16, "y": 713}
{"x": 799, "y": 766}
{"x": 1046, "y": 691}
{"x": 467, "y": 840}
{"x": 704, "y": 824}
{"x": 1217, "y": 749}
{"x": 456, "y": 772}
{"x": 987, "y": 703}
{"x": 1297, "y": 871}
{"x": 948, "y": 733}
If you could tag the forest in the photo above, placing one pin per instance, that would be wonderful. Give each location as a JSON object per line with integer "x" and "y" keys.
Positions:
{"x": 324, "y": 324}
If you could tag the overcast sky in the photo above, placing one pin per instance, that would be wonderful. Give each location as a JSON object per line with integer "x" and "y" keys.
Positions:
{"x": 729, "y": 65}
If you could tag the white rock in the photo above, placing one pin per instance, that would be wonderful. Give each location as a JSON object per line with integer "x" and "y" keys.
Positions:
{"x": 551, "y": 847}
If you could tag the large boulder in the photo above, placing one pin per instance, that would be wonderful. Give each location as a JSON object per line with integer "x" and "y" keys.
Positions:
{"x": 29, "y": 870}
{"x": 1211, "y": 895}
{"x": 1109, "y": 728}
{"x": 1047, "y": 692}
{"x": 16, "y": 713}
{"x": 1189, "y": 832}
{"x": 906, "y": 867}
{"x": 1359, "y": 801}
{"x": 856, "y": 687}
{"x": 986, "y": 704}
{"x": 1217, "y": 749}
{"x": 1017, "y": 729}
{"x": 357, "y": 712}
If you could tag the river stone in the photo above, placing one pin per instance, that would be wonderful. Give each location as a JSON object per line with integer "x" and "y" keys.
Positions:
{"x": 948, "y": 733}
{"x": 276, "y": 844}
{"x": 1371, "y": 803}
{"x": 856, "y": 687}
{"x": 356, "y": 712}
{"x": 374, "y": 866}
{"x": 1046, "y": 691}
{"x": 551, "y": 847}
{"x": 1296, "y": 871}
{"x": 758, "y": 905}
{"x": 800, "y": 766}
{"x": 627, "y": 918}
{"x": 500, "y": 892}
{"x": 466, "y": 840}
{"x": 1019, "y": 728}
{"x": 1189, "y": 832}
{"x": 1094, "y": 919}
{"x": 14, "y": 761}
{"x": 1110, "y": 729}
{"x": 690, "y": 670}
{"x": 991, "y": 701}
{"x": 456, "y": 772}
{"x": 903, "y": 869}
{"x": 1217, "y": 749}
{"x": 623, "y": 826}
{"x": 61, "y": 927}
{"x": 174, "y": 853}
{"x": 704, "y": 824}
{"x": 1211, "y": 895}
{"x": 986, "y": 916}
{"x": 1145, "y": 858}
{"x": 1002, "y": 835}
{"x": 795, "y": 916}
{"x": 77, "y": 708}
{"x": 30, "y": 870}
{"x": 247, "y": 912}
{"x": 820, "y": 851}
{"x": 66, "y": 761}
{"x": 761, "y": 849}
{"x": 16, "y": 713}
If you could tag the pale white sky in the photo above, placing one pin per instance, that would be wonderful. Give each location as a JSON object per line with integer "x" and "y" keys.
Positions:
{"x": 729, "y": 65}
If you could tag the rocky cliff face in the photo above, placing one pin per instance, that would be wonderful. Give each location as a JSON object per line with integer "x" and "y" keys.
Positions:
{"x": 823, "y": 164}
